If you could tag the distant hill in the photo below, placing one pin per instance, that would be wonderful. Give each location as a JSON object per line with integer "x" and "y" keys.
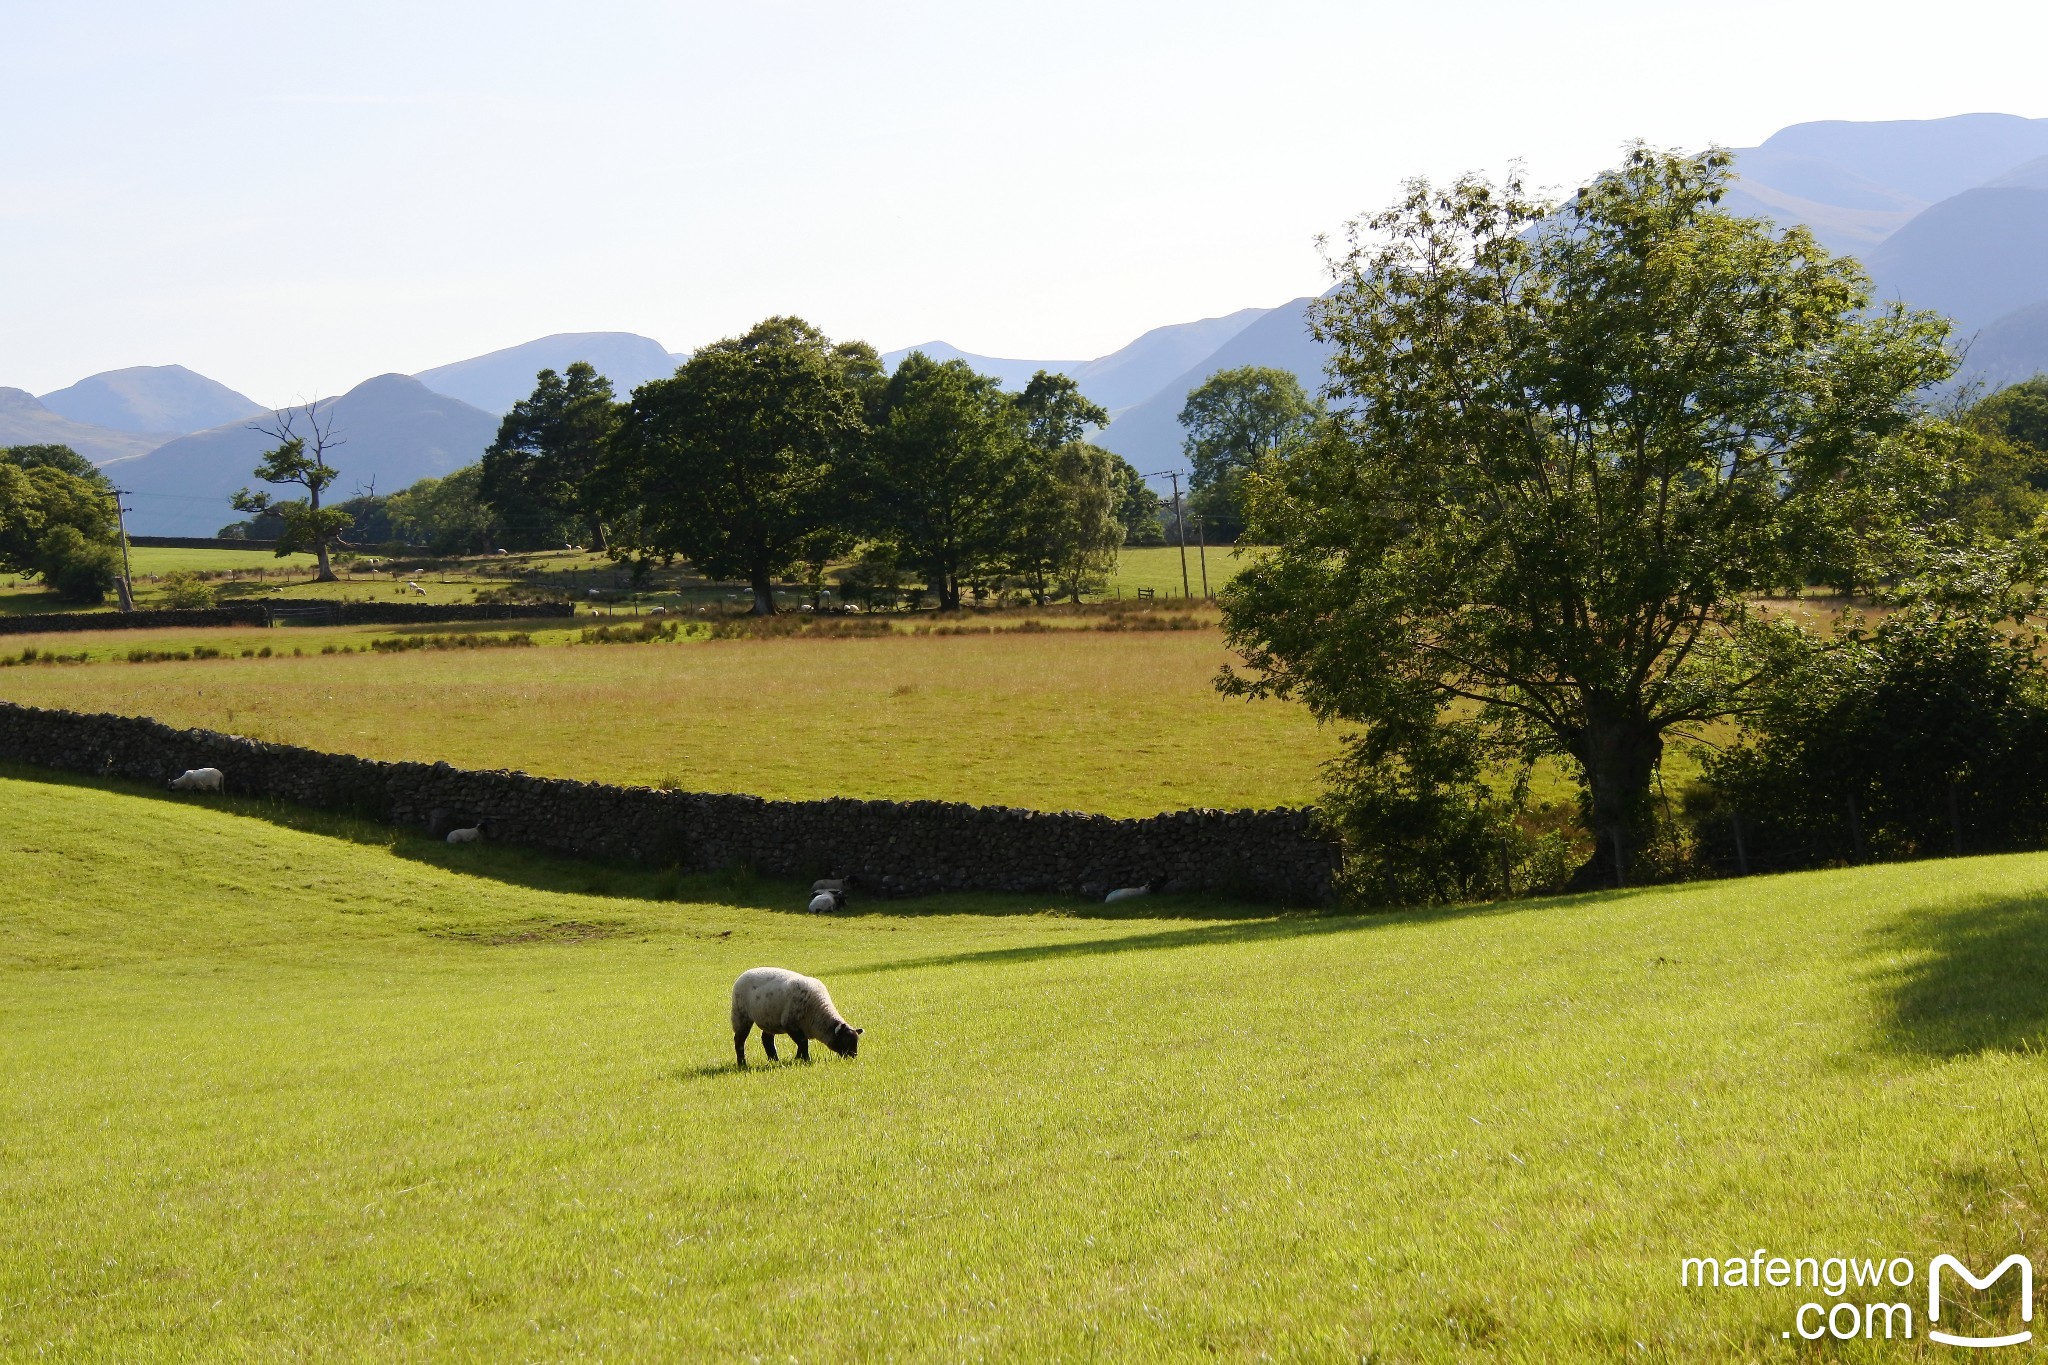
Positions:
{"x": 1014, "y": 374}
{"x": 152, "y": 398}
{"x": 25, "y": 421}
{"x": 1128, "y": 375}
{"x": 2010, "y": 350}
{"x": 496, "y": 381}
{"x": 396, "y": 431}
{"x": 1149, "y": 434}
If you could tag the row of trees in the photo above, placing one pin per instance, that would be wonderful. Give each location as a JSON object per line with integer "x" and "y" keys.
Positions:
{"x": 58, "y": 521}
{"x": 770, "y": 455}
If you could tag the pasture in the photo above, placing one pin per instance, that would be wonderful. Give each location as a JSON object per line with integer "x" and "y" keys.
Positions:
{"x": 282, "y": 1086}
{"x": 1122, "y": 723}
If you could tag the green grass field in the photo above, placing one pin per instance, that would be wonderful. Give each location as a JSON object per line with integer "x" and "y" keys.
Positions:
{"x": 1123, "y": 724}
{"x": 280, "y": 1086}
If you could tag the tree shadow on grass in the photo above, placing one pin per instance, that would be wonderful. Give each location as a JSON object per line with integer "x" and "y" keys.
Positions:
{"x": 1974, "y": 977}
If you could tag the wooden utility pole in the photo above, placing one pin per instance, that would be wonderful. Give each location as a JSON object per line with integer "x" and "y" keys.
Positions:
{"x": 127, "y": 583}
{"x": 1180, "y": 525}
{"x": 1202, "y": 550}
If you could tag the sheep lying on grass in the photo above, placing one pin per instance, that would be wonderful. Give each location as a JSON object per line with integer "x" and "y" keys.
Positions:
{"x": 777, "y": 1000}
{"x": 197, "y": 780}
{"x": 828, "y": 896}
{"x": 1124, "y": 893}
{"x": 473, "y": 834}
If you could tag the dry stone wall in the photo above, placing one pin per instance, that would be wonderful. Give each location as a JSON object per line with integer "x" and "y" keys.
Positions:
{"x": 257, "y": 613}
{"x": 889, "y": 848}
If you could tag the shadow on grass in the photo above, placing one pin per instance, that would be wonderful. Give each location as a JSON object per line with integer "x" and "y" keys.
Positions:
{"x": 1974, "y": 979}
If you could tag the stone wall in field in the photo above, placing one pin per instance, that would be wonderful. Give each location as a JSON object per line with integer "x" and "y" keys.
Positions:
{"x": 885, "y": 848}
{"x": 258, "y": 613}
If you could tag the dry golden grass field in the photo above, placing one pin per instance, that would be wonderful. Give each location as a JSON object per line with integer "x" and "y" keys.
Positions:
{"x": 1123, "y": 723}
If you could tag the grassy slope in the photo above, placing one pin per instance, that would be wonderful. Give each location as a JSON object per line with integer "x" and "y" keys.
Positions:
{"x": 1125, "y": 724}
{"x": 273, "y": 1092}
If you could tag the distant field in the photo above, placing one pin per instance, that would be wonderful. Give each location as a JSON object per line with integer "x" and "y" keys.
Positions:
{"x": 1123, "y": 724}
{"x": 147, "y": 559}
{"x": 283, "y": 1087}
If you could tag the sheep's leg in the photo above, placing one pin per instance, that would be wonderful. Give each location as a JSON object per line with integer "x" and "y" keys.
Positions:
{"x": 803, "y": 1047}
{"x": 739, "y": 1043}
{"x": 768, "y": 1043}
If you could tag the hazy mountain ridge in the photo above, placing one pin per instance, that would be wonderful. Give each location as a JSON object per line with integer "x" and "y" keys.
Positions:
{"x": 494, "y": 382}
{"x": 152, "y": 399}
{"x": 394, "y": 431}
{"x": 25, "y": 421}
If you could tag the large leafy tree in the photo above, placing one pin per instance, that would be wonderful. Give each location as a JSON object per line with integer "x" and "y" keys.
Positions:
{"x": 300, "y": 458}
{"x": 951, "y": 462}
{"x": 744, "y": 461}
{"x": 538, "y": 475}
{"x": 1567, "y": 447}
{"x": 1236, "y": 418}
{"x": 55, "y": 457}
{"x": 59, "y": 525}
{"x": 1065, "y": 532}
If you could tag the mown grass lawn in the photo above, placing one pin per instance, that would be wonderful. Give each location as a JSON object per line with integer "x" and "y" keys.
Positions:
{"x": 278, "y": 1086}
{"x": 1122, "y": 723}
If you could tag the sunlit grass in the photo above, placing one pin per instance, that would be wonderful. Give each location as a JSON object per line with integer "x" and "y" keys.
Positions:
{"x": 328, "y": 1092}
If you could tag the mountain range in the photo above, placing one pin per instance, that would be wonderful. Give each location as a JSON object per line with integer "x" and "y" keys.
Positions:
{"x": 1949, "y": 214}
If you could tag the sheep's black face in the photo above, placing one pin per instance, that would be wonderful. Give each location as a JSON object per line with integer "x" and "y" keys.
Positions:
{"x": 845, "y": 1041}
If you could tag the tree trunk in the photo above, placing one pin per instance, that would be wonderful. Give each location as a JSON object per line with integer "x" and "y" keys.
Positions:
{"x": 1619, "y": 751}
{"x": 598, "y": 537}
{"x": 763, "y": 584}
{"x": 326, "y": 573}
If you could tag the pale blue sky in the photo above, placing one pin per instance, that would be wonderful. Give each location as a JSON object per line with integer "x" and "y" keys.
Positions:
{"x": 291, "y": 198}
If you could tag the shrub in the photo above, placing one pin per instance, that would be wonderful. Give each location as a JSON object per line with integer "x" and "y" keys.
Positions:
{"x": 187, "y": 591}
{"x": 77, "y": 569}
{"x": 1920, "y": 737}
{"x": 1419, "y": 822}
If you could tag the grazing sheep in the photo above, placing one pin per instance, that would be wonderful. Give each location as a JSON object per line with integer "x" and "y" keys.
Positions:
{"x": 466, "y": 836}
{"x": 197, "y": 780}
{"x": 777, "y": 1000}
{"x": 416, "y": 587}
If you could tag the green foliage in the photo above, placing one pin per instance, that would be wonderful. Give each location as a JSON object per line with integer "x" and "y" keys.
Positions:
{"x": 1529, "y": 504}
{"x": 57, "y": 457}
{"x": 744, "y": 461}
{"x": 184, "y": 590}
{"x": 1137, "y": 506}
{"x": 77, "y": 569}
{"x": 301, "y": 460}
{"x": 1236, "y": 419}
{"x": 539, "y": 475}
{"x": 60, "y": 526}
{"x": 1422, "y": 821}
{"x": 873, "y": 580}
{"x": 1064, "y": 529}
{"x": 950, "y": 462}
{"x": 1921, "y": 737}
{"x": 450, "y": 516}
{"x": 2019, "y": 413}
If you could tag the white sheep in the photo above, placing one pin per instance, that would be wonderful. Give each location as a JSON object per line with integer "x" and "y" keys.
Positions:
{"x": 197, "y": 780}
{"x": 777, "y": 1000}
{"x": 416, "y": 587}
{"x": 466, "y": 836}
{"x": 828, "y": 895}
{"x": 1124, "y": 893}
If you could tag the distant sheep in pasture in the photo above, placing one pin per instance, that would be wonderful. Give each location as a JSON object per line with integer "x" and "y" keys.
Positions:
{"x": 828, "y": 896}
{"x": 1124, "y": 893}
{"x": 197, "y": 780}
{"x": 777, "y": 1000}
{"x": 473, "y": 834}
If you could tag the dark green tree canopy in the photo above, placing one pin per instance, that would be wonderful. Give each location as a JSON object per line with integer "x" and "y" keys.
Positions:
{"x": 1235, "y": 419}
{"x": 538, "y": 474}
{"x": 1056, "y": 412}
{"x": 1567, "y": 447}
{"x": 60, "y": 526}
{"x": 55, "y": 457}
{"x": 744, "y": 461}
{"x": 950, "y": 464}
